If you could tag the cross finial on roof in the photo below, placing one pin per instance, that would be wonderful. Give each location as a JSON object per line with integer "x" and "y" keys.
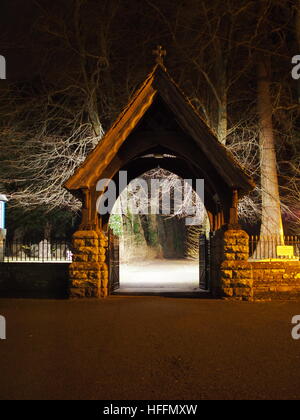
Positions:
{"x": 160, "y": 53}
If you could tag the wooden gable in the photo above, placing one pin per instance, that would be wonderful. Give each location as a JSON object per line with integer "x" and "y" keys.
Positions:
{"x": 159, "y": 83}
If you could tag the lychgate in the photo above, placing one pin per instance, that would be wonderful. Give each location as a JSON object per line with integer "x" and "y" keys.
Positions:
{"x": 159, "y": 119}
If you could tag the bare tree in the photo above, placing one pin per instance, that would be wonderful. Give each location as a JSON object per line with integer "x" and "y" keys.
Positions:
{"x": 49, "y": 125}
{"x": 271, "y": 209}
{"x": 37, "y": 159}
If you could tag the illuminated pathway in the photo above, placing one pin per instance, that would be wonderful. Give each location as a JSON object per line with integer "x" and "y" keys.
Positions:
{"x": 160, "y": 276}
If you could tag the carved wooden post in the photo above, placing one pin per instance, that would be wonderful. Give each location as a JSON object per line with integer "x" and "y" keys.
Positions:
{"x": 234, "y": 215}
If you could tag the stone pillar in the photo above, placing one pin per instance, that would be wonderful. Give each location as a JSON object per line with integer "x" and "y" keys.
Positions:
{"x": 236, "y": 272}
{"x": 103, "y": 261}
{"x": 88, "y": 271}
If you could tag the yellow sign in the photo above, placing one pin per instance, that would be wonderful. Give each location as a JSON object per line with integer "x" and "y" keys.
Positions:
{"x": 285, "y": 251}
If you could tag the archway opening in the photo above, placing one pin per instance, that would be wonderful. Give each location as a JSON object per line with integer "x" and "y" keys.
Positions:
{"x": 157, "y": 229}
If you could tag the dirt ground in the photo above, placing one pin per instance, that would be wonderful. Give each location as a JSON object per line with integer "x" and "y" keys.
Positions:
{"x": 149, "y": 348}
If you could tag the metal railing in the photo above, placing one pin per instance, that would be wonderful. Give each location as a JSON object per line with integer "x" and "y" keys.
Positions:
{"x": 274, "y": 247}
{"x": 43, "y": 251}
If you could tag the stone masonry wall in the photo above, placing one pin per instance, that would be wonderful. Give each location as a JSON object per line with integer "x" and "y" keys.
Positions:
{"x": 34, "y": 280}
{"x": 241, "y": 279}
{"x": 89, "y": 271}
{"x": 275, "y": 280}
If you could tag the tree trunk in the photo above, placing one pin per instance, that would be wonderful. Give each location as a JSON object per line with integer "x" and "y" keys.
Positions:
{"x": 223, "y": 102}
{"x": 222, "y": 120}
{"x": 271, "y": 209}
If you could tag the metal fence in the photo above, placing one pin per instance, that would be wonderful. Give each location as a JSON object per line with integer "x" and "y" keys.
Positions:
{"x": 274, "y": 247}
{"x": 44, "y": 251}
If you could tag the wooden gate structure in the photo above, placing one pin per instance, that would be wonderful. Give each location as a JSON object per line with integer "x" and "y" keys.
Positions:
{"x": 113, "y": 261}
{"x": 204, "y": 263}
{"x": 158, "y": 121}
